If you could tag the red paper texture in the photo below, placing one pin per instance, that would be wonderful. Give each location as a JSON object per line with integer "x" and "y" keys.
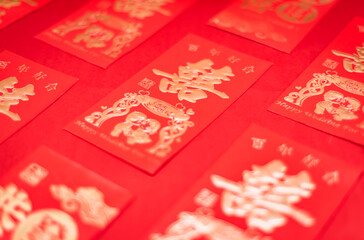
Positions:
{"x": 280, "y": 24}
{"x": 329, "y": 94}
{"x": 102, "y": 31}
{"x": 12, "y": 10}
{"x": 26, "y": 89}
{"x": 160, "y": 109}
{"x": 47, "y": 196}
{"x": 264, "y": 187}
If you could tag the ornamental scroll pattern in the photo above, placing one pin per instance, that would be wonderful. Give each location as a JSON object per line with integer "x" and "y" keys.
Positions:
{"x": 95, "y": 36}
{"x": 178, "y": 118}
{"x": 318, "y": 83}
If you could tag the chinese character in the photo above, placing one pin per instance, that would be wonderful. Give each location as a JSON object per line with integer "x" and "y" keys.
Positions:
{"x": 137, "y": 128}
{"x": 285, "y": 150}
{"x": 94, "y": 37}
{"x": 47, "y": 228}
{"x": 33, "y": 174}
{"x": 331, "y": 177}
{"x": 193, "y": 47}
{"x": 142, "y": 8}
{"x": 215, "y": 52}
{"x": 194, "y": 79}
{"x": 206, "y": 198}
{"x": 310, "y": 161}
{"x": 11, "y": 96}
{"x": 267, "y": 196}
{"x": 39, "y": 76}
{"x": 233, "y": 59}
{"x": 14, "y": 204}
{"x": 51, "y": 86}
{"x": 3, "y": 64}
{"x": 146, "y": 83}
{"x": 259, "y": 5}
{"x": 258, "y": 143}
{"x": 330, "y": 64}
{"x": 248, "y": 70}
{"x": 352, "y": 62}
{"x": 23, "y": 68}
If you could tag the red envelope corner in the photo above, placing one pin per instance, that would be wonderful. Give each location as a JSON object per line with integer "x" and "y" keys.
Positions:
{"x": 26, "y": 89}
{"x": 47, "y": 196}
{"x": 159, "y": 110}
{"x": 329, "y": 94}
{"x": 12, "y": 10}
{"x": 280, "y": 24}
{"x": 264, "y": 187}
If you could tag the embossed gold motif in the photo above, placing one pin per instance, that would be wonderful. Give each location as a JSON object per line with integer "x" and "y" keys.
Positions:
{"x": 194, "y": 79}
{"x": 146, "y": 83}
{"x": 342, "y": 108}
{"x": 16, "y": 3}
{"x": 142, "y": 9}
{"x": 296, "y": 12}
{"x": 317, "y": 2}
{"x": 88, "y": 202}
{"x": 14, "y": 205}
{"x": 259, "y": 6}
{"x": 352, "y": 62}
{"x": 177, "y": 125}
{"x": 330, "y": 64}
{"x": 33, "y": 174}
{"x": 267, "y": 196}
{"x": 96, "y": 36}
{"x": 317, "y": 85}
{"x": 10, "y": 96}
{"x": 47, "y": 224}
{"x": 200, "y": 225}
{"x": 206, "y": 198}
{"x": 137, "y": 128}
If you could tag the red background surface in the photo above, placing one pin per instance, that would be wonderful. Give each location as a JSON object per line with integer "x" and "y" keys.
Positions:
{"x": 155, "y": 194}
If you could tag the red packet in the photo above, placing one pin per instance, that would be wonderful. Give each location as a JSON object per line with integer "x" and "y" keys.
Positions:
{"x": 329, "y": 94}
{"x": 264, "y": 187}
{"x": 159, "y": 110}
{"x": 47, "y": 196}
{"x": 104, "y": 30}
{"x": 26, "y": 89}
{"x": 280, "y": 24}
{"x": 12, "y": 10}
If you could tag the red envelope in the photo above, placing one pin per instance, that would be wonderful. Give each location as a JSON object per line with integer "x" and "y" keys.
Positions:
{"x": 12, "y": 10}
{"x": 159, "y": 110}
{"x": 329, "y": 94}
{"x": 104, "y": 30}
{"x": 264, "y": 187}
{"x": 47, "y": 196}
{"x": 26, "y": 89}
{"x": 280, "y": 24}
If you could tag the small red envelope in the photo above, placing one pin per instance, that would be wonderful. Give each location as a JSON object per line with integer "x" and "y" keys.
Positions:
{"x": 329, "y": 94}
{"x": 280, "y": 24}
{"x": 47, "y": 196}
{"x": 12, "y": 10}
{"x": 26, "y": 89}
{"x": 160, "y": 109}
{"x": 264, "y": 187}
{"x": 104, "y": 30}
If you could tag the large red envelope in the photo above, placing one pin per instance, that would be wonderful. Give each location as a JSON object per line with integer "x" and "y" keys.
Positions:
{"x": 280, "y": 24}
{"x": 12, "y": 10}
{"x": 159, "y": 110}
{"x": 264, "y": 187}
{"x": 47, "y": 196}
{"x": 26, "y": 89}
{"x": 329, "y": 94}
{"x": 104, "y": 30}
